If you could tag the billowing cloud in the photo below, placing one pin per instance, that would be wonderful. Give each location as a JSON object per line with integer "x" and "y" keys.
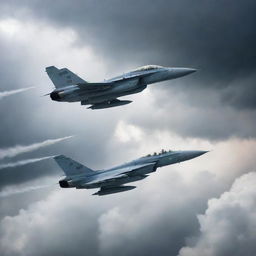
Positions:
{"x": 161, "y": 220}
{"x": 107, "y": 225}
{"x": 55, "y": 217}
{"x": 228, "y": 226}
{"x": 180, "y": 112}
{"x": 213, "y": 109}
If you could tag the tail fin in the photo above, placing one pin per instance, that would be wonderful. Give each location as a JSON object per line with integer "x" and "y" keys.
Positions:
{"x": 63, "y": 77}
{"x": 71, "y": 167}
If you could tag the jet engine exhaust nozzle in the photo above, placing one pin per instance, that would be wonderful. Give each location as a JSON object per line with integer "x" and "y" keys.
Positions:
{"x": 63, "y": 184}
{"x": 55, "y": 96}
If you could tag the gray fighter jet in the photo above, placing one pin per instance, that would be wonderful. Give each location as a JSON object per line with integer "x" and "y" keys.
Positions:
{"x": 72, "y": 88}
{"x": 111, "y": 180}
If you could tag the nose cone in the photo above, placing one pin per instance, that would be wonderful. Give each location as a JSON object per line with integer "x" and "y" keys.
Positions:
{"x": 179, "y": 72}
{"x": 194, "y": 153}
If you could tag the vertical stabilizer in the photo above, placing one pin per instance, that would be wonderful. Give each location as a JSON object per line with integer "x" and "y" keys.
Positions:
{"x": 63, "y": 77}
{"x": 71, "y": 167}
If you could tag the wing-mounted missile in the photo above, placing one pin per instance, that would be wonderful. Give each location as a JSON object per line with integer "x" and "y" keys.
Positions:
{"x": 111, "y": 190}
{"x": 109, "y": 104}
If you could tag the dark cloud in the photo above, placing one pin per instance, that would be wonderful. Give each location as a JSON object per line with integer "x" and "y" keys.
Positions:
{"x": 178, "y": 33}
{"x": 174, "y": 33}
{"x": 28, "y": 118}
{"x": 199, "y": 36}
{"x": 179, "y": 112}
{"x": 214, "y": 104}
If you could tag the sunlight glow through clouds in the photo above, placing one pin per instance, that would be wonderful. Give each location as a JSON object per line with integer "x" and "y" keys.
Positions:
{"x": 43, "y": 42}
{"x": 127, "y": 132}
{"x": 10, "y": 27}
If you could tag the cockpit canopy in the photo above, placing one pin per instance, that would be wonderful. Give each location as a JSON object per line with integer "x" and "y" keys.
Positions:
{"x": 148, "y": 67}
{"x": 160, "y": 153}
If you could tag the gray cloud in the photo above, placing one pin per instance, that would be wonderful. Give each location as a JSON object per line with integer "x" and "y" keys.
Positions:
{"x": 228, "y": 225}
{"x": 169, "y": 33}
{"x": 110, "y": 225}
{"x": 104, "y": 39}
{"x": 31, "y": 118}
{"x": 209, "y": 120}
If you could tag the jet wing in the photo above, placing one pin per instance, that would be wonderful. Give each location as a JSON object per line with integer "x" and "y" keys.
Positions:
{"x": 126, "y": 172}
{"x": 141, "y": 169}
{"x": 108, "y": 178}
{"x": 110, "y": 82}
{"x": 95, "y": 86}
{"x": 131, "y": 76}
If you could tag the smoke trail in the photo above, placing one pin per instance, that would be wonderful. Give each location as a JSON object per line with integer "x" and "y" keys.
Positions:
{"x": 23, "y": 162}
{"x": 14, "y": 191}
{"x": 8, "y": 93}
{"x": 19, "y": 149}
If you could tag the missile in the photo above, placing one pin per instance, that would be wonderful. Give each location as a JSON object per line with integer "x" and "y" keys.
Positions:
{"x": 112, "y": 190}
{"x": 109, "y": 104}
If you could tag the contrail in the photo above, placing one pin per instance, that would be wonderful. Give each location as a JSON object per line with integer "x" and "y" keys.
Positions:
{"x": 15, "y": 191}
{"x": 23, "y": 162}
{"x": 8, "y": 93}
{"x": 19, "y": 149}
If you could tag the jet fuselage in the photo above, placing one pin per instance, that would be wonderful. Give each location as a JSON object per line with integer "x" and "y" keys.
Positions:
{"x": 109, "y": 90}
{"x": 129, "y": 172}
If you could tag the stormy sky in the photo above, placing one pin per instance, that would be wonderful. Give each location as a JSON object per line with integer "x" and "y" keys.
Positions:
{"x": 205, "y": 206}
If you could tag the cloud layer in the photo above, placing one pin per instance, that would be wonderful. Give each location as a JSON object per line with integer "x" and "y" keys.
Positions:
{"x": 212, "y": 109}
{"x": 160, "y": 220}
{"x": 110, "y": 224}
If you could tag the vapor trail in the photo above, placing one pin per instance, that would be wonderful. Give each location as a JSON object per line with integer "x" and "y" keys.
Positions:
{"x": 8, "y": 93}
{"x": 19, "y": 149}
{"x": 23, "y": 162}
{"x": 13, "y": 191}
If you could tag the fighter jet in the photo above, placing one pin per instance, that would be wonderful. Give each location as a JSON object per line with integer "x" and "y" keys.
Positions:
{"x": 111, "y": 180}
{"x": 71, "y": 88}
